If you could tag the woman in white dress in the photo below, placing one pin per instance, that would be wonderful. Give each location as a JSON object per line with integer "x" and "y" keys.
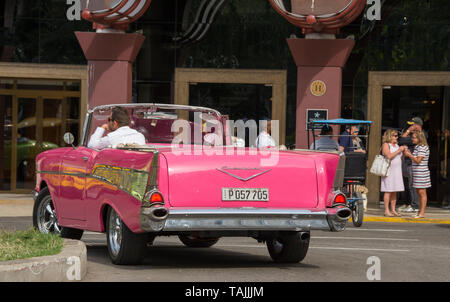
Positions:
{"x": 392, "y": 183}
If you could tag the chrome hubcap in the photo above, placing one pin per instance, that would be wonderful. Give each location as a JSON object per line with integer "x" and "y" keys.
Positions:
{"x": 47, "y": 220}
{"x": 115, "y": 233}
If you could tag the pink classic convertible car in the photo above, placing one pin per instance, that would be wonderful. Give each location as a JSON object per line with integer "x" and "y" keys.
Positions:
{"x": 177, "y": 185}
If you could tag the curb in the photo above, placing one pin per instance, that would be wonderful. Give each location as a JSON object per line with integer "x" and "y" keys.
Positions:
{"x": 69, "y": 265}
{"x": 404, "y": 220}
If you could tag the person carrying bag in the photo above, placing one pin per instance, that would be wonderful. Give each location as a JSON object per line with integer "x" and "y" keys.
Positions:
{"x": 392, "y": 181}
{"x": 380, "y": 165}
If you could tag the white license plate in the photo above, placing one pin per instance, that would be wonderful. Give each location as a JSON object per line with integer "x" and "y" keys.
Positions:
{"x": 245, "y": 194}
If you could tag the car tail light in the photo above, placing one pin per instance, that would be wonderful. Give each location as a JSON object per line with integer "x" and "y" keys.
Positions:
{"x": 154, "y": 197}
{"x": 340, "y": 199}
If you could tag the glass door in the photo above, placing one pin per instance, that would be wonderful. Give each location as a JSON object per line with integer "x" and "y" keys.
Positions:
{"x": 28, "y": 147}
{"x": 41, "y": 125}
{"x": 34, "y": 115}
{"x": 6, "y": 124}
{"x": 430, "y": 103}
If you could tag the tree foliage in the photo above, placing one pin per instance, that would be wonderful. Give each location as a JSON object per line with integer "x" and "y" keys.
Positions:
{"x": 416, "y": 36}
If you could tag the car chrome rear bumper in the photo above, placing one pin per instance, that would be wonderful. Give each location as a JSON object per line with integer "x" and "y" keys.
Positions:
{"x": 235, "y": 219}
{"x": 34, "y": 194}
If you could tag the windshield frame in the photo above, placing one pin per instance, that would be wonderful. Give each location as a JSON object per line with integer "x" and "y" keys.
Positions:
{"x": 90, "y": 113}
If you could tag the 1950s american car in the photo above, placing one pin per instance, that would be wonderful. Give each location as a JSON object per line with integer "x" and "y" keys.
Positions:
{"x": 135, "y": 193}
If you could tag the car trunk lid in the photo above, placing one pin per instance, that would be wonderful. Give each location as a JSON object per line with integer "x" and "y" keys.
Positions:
{"x": 206, "y": 181}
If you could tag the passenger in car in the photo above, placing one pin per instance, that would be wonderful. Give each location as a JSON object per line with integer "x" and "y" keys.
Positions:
{"x": 326, "y": 142}
{"x": 121, "y": 133}
{"x": 265, "y": 140}
{"x": 349, "y": 140}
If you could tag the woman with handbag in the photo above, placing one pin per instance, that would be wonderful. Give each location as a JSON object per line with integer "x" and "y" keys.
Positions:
{"x": 393, "y": 182}
{"x": 420, "y": 171}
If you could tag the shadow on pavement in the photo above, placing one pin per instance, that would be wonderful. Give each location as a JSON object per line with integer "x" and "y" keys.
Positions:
{"x": 164, "y": 257}
{"x": 445, "y": 226}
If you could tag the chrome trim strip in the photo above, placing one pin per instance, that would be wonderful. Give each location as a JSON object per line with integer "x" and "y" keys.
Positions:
{"x": 340, "y": 170}
{"x": 253, "y": 219}
{"x": 162, "y": 106}
{"x": 87, "y": 123}
{"x": 90, "y": 175}
{"x": 152, "y": 182}
{"x": 64, "y": 173}
{"x": 243, "y": 179}
{"x": 101, "y": 178}
{"x": 154, "y": 172}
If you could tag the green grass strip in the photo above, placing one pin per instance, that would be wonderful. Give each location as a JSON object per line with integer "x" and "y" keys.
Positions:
{"x": 27, "y": 244}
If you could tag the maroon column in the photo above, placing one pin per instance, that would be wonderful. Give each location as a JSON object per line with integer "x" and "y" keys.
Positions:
{"x": 110, "y": 59}
{"x": 318, "y": 60}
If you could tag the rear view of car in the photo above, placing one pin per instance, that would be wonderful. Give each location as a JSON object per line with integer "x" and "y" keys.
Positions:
{"x": 199, "y": 193}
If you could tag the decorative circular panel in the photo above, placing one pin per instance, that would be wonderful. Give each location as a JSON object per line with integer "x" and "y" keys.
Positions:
{"x": 114, "y": 13}
{"x": 319, "y": 15}
{"x": 318, "y": 88}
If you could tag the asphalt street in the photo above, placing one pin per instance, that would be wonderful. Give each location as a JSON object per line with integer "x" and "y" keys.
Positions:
{"x": 378, "y": 250}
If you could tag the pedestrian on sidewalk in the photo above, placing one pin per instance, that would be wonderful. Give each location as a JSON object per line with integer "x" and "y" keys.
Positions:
{"x": 414, "y": 124}
{"x": 420, "y": 171}
{"x": 392, "y": 183}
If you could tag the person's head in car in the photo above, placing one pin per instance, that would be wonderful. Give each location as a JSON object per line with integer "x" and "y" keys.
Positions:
{"x": 119, "y": 118}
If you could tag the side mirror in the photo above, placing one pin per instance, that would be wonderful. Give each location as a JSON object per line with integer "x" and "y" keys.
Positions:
{"x": 68, "y": 138}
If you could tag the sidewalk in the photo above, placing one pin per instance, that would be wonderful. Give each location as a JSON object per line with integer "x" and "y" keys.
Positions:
{"x": 19, "y": 205}
{"x": 433, "y": 214}
{"x": 16, "y": 205}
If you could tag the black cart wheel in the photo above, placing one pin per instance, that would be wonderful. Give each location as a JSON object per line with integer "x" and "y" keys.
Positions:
{"x": 192, "y": 241}
{"x": 46, "y": 221}
{"x": 124, "y": 246}
{"x": 358, "y": 211}
{"x": 289, "y": 247}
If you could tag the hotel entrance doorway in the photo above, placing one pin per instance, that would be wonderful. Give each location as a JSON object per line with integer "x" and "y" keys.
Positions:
{"x": 34, "y": 115}
{"x": 431, "y": 104}
{"x": 393, "y": 97}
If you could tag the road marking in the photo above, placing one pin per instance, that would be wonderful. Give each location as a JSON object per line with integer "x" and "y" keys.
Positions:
{"x": 361, "y": 238}
{"x": 238, "y": 245}
{"x": 375, "y": 230}
{"x": 356, "y": 249}
{"x": 321, "y": 247}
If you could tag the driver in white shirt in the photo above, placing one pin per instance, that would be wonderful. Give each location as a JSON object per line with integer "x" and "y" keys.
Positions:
{"x": 265, "y": 140}
{"x": 121, "y": 133}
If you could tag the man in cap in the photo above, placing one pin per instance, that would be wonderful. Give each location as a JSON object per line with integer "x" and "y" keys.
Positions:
{"x": 414, "y": 124}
